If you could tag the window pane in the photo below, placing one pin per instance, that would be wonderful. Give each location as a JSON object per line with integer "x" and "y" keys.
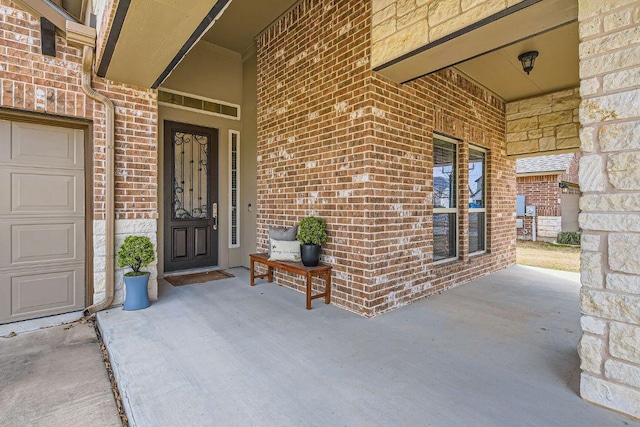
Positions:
{"x": 444, "y": 236}
{"x": 444, "y": 174}
{"x": 211, "y": 106}
{"x": 476, "y": 179}
{"x": 476, "y": 231}
{"x": 170, "y": 98}
{"x": 193, "y": 103}
{"x": 227, "y": 110}
{"x": 234, "y": 190}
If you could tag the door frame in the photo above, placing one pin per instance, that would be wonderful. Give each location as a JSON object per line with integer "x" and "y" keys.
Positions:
{"x": 167, "y": 189}
{"x": 86, "y": 125}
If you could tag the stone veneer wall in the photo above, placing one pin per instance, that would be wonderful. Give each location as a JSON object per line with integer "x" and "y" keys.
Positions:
{"x": 610, "y": 204}
{"x": 546, "y": 123}
{"x": 124, "y": 227}
{"x": 32, "y": 82}
{"x": 339, "y": 141}
{"x": 548, "y": 227}
{"x": 399, "y": 27}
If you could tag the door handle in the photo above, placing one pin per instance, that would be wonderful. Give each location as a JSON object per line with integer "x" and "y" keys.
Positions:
{"x": 214, "y": 215}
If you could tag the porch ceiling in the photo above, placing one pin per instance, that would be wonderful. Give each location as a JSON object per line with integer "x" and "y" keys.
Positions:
{"x": 488, "y": 51}
{"x": 149, "y": 38}
{"x": 243, "y": 20}
{"x": 75, "y": 8}
{"x": 555, "y": 68}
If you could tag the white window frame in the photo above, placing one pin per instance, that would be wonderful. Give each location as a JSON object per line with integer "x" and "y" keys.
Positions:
{"x": 232, "y": 214}
{"x": 455, "y": 210}
{"x": 484, "y": 196}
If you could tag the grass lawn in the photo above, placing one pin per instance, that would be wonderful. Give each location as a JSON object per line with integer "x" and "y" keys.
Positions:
{"x": 545, "y": 255}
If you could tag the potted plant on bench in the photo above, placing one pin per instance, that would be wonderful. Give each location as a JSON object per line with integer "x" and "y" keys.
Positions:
{"x": 136, "y": 252}
{"x": 312, "y": 234}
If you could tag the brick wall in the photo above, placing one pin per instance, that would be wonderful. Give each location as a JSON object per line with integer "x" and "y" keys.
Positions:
{"x": 546, "y": 123}
{"x": 572, "y": 171}
{"x": 106, "y": 11}
{"x": 338, "y": 141}
{"x": 33, "y": 82}
{"x": 610, "y": 203}
{"x": 542, "y": 191}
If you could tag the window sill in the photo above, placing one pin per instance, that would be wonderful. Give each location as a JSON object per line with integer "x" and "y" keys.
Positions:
{"x": 478, "y": 253}
{"x": 445, "y": 262}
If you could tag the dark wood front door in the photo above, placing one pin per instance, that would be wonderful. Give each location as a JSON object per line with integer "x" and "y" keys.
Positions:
{"x": 190, "y": 196}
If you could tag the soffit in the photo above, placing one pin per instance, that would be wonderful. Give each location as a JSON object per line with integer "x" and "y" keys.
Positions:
{"x": 154, "y": 36}
{"x": 150, "y": 37}
{"x": 555, "y": 68}
{"x": 243, "y": 20}
{"x": 504, "y": 29}
{"x": 75, "y": 8}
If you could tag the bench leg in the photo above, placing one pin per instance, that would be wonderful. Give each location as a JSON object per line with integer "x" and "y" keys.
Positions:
{"x": 327, "y": 288}
{"x": 253, "y": 263}
{"x": 269, "y": 274}
{"x": 309, "y": 280}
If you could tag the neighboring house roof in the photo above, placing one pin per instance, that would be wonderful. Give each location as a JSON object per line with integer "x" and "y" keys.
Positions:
{"x": 544, "y": 164}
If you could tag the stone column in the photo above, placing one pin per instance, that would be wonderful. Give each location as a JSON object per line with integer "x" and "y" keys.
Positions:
{"x": 610, "y": 205}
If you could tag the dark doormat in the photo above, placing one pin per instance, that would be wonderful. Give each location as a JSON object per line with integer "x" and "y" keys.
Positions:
{"x": 190, "y": 279}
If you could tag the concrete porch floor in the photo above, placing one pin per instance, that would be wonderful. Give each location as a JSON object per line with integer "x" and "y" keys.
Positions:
{"x": 500, "y": 351}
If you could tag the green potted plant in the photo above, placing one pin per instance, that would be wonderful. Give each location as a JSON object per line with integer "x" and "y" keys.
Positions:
{"x": 312, "y": 234}
{"x": 136, "y": 252}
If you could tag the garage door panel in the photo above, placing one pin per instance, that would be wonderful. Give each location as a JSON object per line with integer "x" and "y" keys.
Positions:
{"x": 36, "y": 294}
{"x": 42, "y": 224}
{"x": 42, "y": 146}
{"x": 41, "y": 192}
{"x": 37, "y": 242}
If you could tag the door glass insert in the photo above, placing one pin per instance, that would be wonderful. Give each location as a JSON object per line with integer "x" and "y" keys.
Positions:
{"x": 190, "y": 183}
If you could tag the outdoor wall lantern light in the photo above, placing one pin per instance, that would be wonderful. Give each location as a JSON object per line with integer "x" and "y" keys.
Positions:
{"x": 527, "y": 59}
{"x": 564, "y": 187}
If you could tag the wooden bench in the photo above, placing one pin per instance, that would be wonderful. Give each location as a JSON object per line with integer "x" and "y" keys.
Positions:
{"x": 294, "y": 267}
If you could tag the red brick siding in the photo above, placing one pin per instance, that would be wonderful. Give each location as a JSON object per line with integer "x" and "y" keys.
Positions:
{"x": 572, "y": 171}
{"x": 106, "y": 20}
{"x": 543, "y": 192}
{"x": 339, "y": 141}
{"x": 32, "y": 82}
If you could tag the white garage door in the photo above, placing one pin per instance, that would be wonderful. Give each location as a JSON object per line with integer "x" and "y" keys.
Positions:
{"x": 42, "y": 246}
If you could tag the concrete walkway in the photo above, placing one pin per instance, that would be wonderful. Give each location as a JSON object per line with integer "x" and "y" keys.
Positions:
{"x": 55, "y": 377}
{"x": 500, "y": 351}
